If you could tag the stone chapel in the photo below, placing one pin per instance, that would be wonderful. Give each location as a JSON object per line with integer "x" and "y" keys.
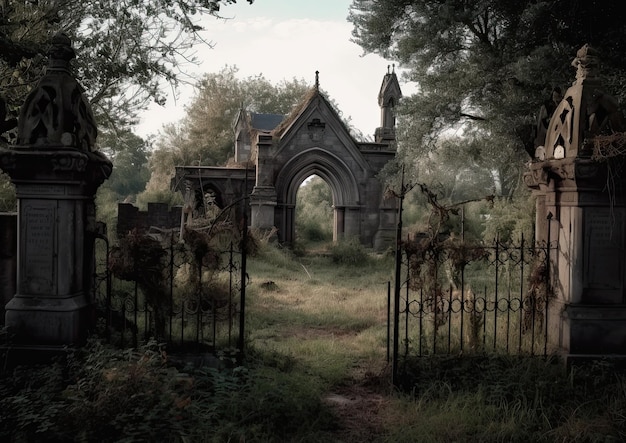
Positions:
{"x": 275, "y": 154}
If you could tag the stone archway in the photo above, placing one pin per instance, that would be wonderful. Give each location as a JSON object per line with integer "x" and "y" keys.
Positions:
{"x": 281, "y": 151}
{"x": 336, "y": 174}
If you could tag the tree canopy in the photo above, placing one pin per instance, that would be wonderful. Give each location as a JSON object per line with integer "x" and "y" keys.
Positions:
{"x": 204, "y": 136}
{"x": 483, "y": 69}
{"x": 128, "y": 50}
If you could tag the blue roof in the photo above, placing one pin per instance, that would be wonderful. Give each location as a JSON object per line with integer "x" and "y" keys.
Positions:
{"x": 265, "y": 122}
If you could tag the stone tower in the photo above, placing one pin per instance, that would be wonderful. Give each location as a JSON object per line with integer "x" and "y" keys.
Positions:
{"x": 388, "y": 98}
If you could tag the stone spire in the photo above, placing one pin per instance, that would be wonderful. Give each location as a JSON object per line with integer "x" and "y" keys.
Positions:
{"x": 584, "y": 112}
{"x": 56, "y": 114}
{"x": 388, "y": 97}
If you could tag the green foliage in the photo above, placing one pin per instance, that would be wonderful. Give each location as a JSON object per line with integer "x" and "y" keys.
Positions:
{"x": 106, "y": 208}
{"x": 108, "y": 395}
{"x": 172, "y": 198}
{"x": 8, "y": 201}
{"x": 349, "y": 252}
{"x": 484, "y": 69}
{"x": 128, "y": 53}
{"x": 509, "y": 221}
{"x": 314, "y": 212}
{"x": 500, "y": 398}
{"x": 274, "y": 257}
{"x": 129, "y": 155}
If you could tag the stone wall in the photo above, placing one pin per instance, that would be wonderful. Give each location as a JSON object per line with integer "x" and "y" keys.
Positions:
{"x": 129, "y": 217}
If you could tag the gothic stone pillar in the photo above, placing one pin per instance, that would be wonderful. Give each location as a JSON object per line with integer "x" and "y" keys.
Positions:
{"x": 584, "y": 219}
{"x": 56, "y": 172}
{"x": 263, "y": 197}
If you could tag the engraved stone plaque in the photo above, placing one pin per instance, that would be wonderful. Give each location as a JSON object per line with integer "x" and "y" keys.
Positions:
{"x": 38, "y": 260}
{"x": 46, "y": 189}
{"x": 604, "y": 255}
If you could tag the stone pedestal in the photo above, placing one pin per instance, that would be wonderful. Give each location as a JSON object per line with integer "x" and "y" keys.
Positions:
{"x": 56, "y": 172}
{"x": 587, "y": 311}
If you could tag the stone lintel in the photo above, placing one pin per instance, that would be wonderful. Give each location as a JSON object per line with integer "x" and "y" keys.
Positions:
{"x": 25, "y": 164}
{"x": 52, "y": 190}
{"x": 577, "y": 311}
{"x": 570, "y": 171}
{"x": 52, "y": 303}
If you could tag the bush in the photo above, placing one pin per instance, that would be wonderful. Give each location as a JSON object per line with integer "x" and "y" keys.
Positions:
{"x": 8, "y": 200}
{"x": 349, "y": 252}
{"x": 103, "y": 394}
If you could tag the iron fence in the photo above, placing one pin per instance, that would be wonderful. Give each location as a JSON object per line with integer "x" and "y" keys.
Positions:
{"x": 190, "y": 302}
{"x": 459, "y": 298}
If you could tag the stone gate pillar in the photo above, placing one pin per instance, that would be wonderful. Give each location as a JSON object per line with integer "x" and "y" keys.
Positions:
{"x": 263, "y": 197}
{"x": 581, "y": 207}
{"x": 56, "y": 171}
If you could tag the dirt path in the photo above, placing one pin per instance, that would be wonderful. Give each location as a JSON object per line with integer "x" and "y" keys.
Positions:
{"x": 361, "y": 406}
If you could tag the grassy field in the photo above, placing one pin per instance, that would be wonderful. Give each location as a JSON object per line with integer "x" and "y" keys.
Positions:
{"x": 329, "y": 320}
{"x": 315, "y": 370}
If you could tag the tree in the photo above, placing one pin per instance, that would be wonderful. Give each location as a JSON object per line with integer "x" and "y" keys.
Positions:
{"x": 205, "y": 134}
{"x": 128, "y": 50}
{"x": 129, "y": 155}
{"x": 484, "y": 67}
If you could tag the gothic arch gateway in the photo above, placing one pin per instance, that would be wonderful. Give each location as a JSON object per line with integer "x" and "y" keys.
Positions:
{"x": 275, "y": 154}
{"x": 338, "y": 176}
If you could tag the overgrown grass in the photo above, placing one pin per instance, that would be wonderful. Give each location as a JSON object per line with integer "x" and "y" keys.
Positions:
{"x": 502, "y": 398}
{"x": 314, "y": 326}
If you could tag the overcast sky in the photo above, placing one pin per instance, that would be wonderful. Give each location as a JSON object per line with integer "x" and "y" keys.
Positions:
{"x": 282, "y": 40}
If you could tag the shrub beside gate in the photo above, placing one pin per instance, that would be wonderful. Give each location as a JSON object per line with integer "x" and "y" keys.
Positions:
{"x": 187, "y": 294}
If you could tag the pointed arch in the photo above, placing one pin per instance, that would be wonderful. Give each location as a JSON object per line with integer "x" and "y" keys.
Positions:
{"x": 339, "y": 177}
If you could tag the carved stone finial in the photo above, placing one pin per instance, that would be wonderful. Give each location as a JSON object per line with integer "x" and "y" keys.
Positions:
{"x": 61, "y": 51}
{"x": 56, "y": 114}
{"x": 586, "y": 63}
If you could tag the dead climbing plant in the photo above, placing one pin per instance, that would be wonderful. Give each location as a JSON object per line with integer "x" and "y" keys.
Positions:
{"x": 538, "y": 296}
{"x": 609, "y": 146}
{"x": 428, "y": 252}
{"x": 193, "y": 259}
{"x": 142, "y": 259}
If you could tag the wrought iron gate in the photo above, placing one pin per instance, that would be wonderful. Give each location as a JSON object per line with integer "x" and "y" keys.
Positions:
{"x": 456, "y": 298}
{"x": 190, "y": 305}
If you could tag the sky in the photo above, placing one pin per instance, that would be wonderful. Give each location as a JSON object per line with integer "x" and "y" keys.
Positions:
{"x": 283, "y": 40}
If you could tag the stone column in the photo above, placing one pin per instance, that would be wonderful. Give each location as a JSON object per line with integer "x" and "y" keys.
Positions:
{"x": 583, "y": 219}
{"x": 56, "y": 171}
{"x": 263, "y": 197}
{"x": 352, "y": 223}
{"x": 338, "y": 223}
{"x": 387, "y": 224}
